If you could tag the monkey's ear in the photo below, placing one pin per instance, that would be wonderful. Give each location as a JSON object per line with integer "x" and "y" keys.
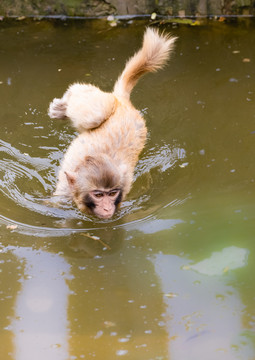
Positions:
{"x": 71, "y": 178}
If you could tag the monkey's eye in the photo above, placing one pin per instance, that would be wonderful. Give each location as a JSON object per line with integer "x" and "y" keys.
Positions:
{"x": 98, "y": 194}
{"x": 113, "y": 192}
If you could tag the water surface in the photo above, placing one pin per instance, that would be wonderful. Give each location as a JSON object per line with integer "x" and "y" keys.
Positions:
{"x": 171, "y": 276}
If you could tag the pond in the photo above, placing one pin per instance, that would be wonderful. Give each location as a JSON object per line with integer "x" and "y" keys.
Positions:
{"x": 171, "y": 276}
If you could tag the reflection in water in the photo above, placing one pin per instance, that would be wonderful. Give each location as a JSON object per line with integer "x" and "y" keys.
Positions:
{"x": 40, "y": 325}
{"x": 204, "y": 315}
{"x": 154, "y": 225}
{"x": 115, "y": 307}
{"x": 221, "y": 262}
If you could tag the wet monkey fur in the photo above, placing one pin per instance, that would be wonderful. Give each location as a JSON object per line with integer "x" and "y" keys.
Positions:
{"x": 97, "y": 169}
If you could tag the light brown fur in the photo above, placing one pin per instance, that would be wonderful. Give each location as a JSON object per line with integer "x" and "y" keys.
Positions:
{"x": 112, "y": 131}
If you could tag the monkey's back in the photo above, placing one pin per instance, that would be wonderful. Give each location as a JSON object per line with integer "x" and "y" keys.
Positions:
{"x": 121, "y": 137}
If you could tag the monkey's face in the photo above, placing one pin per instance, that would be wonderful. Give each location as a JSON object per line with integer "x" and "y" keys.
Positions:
{"x": 97, "y": 186}
{"x": 103, "y": 203}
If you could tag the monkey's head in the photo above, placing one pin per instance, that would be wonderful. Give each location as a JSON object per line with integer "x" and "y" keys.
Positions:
{"x": 98, "y": 186}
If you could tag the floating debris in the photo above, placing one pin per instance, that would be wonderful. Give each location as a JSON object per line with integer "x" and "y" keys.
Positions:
{"x": 171, "y": 295}
{"x": 109, "y": 324}
{"x": 183, "y": 165}
{"x": 20, "y": 18}
{"x": 110, "y": 18}
{"x": 233, "y": 80}
{"x": 11, "y": 227}
{"x": 112, "y": 21}
{"x": 96, "y": 238}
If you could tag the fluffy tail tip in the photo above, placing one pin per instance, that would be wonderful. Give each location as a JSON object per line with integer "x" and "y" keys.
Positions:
{"x": 161, "y": 43}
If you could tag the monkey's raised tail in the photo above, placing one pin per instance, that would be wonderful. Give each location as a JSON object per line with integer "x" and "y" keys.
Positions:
{"x": 153, "y": 55}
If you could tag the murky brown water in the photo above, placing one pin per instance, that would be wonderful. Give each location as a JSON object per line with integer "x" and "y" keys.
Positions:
{"x": 172, "y": 275}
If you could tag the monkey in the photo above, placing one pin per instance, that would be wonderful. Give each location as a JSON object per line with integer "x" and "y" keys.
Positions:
{"x": 97, "y": 169}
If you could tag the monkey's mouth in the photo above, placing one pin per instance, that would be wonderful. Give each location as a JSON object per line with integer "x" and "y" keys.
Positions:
{"x": 104, "y": 217}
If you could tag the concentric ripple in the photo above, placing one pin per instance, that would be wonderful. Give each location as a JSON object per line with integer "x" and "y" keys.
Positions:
{"x": 26, "y": 185}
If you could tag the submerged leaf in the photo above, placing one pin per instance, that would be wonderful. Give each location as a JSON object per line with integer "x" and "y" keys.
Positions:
{"x": 196, "y": 23}
{"x": 221, "y": 262}
{"x": 183, "y": 21}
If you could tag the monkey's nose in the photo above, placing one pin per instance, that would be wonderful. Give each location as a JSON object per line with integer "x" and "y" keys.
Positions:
{"x": 107, "y": 206}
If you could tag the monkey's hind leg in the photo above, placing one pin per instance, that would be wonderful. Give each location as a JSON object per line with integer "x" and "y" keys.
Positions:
{"x": 57, "y": 108}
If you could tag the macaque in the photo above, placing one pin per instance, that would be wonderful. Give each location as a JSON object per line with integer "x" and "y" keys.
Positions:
{"x": 98, "y": 167}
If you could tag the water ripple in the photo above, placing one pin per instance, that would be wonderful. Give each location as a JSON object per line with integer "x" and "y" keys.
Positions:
{"x": 28, "y": 182}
